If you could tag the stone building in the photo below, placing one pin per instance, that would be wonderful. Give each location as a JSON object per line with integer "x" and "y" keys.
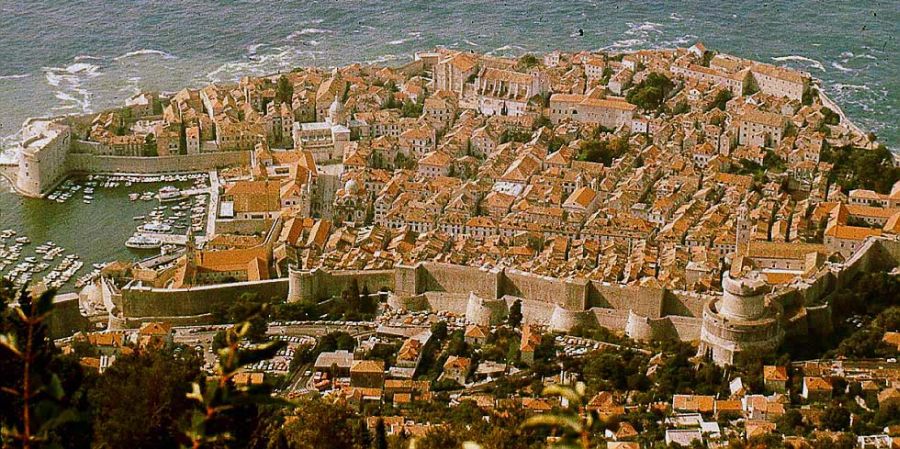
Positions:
{"x": 741, "y": 322}
{"x": 606, "y": 112}
{"x": 42, "y": 156}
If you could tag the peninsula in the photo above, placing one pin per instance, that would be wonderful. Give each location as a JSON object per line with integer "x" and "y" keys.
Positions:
{"x": 540, "y": 210}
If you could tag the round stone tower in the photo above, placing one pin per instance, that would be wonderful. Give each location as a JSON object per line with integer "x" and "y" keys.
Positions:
{"x": 742, "y": 299}
{"x": 740, "y": 323}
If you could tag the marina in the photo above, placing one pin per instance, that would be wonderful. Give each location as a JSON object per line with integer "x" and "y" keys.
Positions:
{"x": 65, "y": 238}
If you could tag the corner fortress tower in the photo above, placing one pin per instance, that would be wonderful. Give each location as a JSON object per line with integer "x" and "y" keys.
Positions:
{"x": 741, "y": 323}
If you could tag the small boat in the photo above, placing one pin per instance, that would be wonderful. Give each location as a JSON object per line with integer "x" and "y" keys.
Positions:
{"x": 169, "y": 193}
{"x": 139, "y": 217}
{"x": 23, "y": 240}
{"x": 143, "y": 242}
{"x": 155, "y": 227}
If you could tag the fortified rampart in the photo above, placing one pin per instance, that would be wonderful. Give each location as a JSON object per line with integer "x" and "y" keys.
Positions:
{"x": 484, "y": 296}
{"x": 90, "y": 163}
{"x": 49, "y": 161}
{"x": 643, "y": 313}
{"x": 137, "y": 302}
{"x": 66, "y": 318}
{"x": 801, "y": 308}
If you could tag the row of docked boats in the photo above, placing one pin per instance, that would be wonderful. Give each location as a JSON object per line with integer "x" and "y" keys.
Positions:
{"x": 23, "y": 270}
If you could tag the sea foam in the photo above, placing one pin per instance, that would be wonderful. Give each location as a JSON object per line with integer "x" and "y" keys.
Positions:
{"x": 812, "y": 62}
{"x": 144, "y": 52}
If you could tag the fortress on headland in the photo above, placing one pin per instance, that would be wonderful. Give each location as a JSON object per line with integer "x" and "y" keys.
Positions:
{"x": 49, "y": 153}
{"x": 748, "y": 318}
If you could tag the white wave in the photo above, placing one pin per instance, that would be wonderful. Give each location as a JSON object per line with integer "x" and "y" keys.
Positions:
{"x": 383, "y": 58}
{"x": 643, "y": 28}
{"x": 314, "y": 42}
{"x": 678, "y": 41}
{"x": 812, "y": 62}
{"x": 15, "y": 77}
{"x": 841, "y": 68}
{"x": 280, "y": 59}
{"x": 507, "y": 49}
{"x": 305, "y": 32}
{"x": 87, "y": 57}
{"x": 252, "y": 48}
{"x": 867, "y": 56}
{"x": 66, "y": 97}
{"x": 82, "y": 68}
{"x": 841, "y": 86}
{"x": 471, "y": 43}
{"x": 397, "y": 42}
{"x": 847, "y": 54}
{"x": 144, "y": 52}
{"x": 625, "y": 43}
{"x": 675, "y": 16}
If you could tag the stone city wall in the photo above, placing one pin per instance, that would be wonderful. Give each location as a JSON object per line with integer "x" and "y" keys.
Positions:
{"x": 66, "y": 318}
{"x": 142, "y": 302}
{"x": 88, "y": 163}
{"x": 684, "y": 303}
{"x": 318, "y": 284}
{"x": 645, "y": 301}
{"x": 682, "y": 328}
{"x": 443, "y": 277}
{"x": 191, "y": 320}
{"x": 569, "y": 293}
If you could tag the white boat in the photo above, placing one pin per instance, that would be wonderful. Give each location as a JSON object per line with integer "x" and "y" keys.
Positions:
{"x": 155, "y": 227}
{"x": 143, "y": 242}
{"x": 134, "y": 196}
{"x": 169, "y": 193}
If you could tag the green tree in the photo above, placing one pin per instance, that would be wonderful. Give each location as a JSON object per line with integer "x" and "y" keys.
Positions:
{"x": 722, "y": 98}
{"x": 333, "y": 426}
{"x": 380, "y": 441}
{"x": 528, "y": 61}
{"x": 141, "y": 400}
{"x": 651, "y": 92}
{"x": 226, "y": 415}
{"x": 284, "y": 91}
{"x": 515, "y": 314}
{"x": 574, "y": 424}
{"x": 836, "y": 417}
{"x": 681, "y": 107}
{"x": 35, "y": 406}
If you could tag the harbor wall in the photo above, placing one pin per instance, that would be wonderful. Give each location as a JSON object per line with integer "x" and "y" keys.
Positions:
{"x": 89, "y": 163}
{"x": 144, "y": 302}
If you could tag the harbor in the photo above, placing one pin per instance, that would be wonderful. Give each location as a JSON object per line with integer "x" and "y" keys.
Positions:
{"x": 65, "y": 238}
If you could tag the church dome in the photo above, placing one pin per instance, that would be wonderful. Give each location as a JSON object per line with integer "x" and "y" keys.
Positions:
{"x": 351, "y": 186}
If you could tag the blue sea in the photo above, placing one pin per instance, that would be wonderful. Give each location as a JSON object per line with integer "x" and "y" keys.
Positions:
{"x": 73, "y": 56}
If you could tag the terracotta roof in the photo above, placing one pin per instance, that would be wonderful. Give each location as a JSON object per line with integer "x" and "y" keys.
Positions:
{"x": 816, "y": 384}
{"x": 367, "y": 366}
{"x": 693, "y": 403}
{"x": 775, "y": 373}
{"x": 475, "y": 331}
{"x": 850, "y": 232}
